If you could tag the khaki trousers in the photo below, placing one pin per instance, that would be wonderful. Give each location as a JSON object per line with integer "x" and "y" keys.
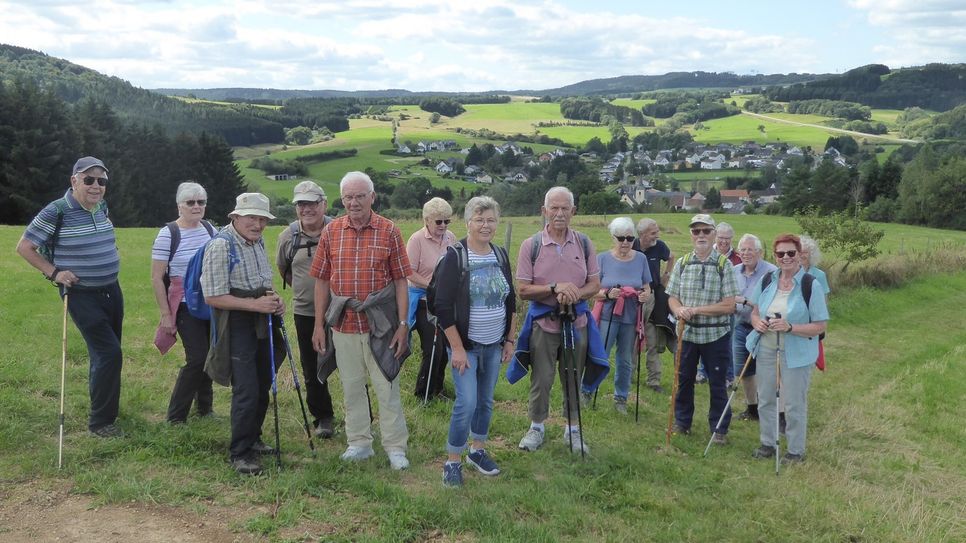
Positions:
{"x": 545, "y": 352}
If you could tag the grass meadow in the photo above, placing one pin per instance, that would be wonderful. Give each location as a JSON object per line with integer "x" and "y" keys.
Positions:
{"x": 885, "y": 439}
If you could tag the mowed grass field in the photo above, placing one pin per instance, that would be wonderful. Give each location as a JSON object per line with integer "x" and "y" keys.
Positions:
{"x": 884, "y": 444}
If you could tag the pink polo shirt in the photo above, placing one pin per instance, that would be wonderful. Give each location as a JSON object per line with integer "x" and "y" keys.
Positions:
{"x": 557, "y": 264}
{"x": 424, "y": 251}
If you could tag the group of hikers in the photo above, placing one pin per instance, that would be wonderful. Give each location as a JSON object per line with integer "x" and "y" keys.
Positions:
{"x": 359, "y": 292}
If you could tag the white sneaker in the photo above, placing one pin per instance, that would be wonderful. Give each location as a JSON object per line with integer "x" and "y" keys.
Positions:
{"x": 531, "y": 440}
{"x": 398, "y": 460}
{"x": 356, "y": 454}
{"x": 578, "y": 442}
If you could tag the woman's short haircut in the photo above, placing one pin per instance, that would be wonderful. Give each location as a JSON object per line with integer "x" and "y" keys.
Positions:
{"x": 621, "y": 226}
{"x": 479, "y": 204}
{"x": 437, "y": 207}
{"x": 189, "y": 190}
{"x": 754, "y": 239}
{"x": 787, "y": 238}
{"x": 814, "y": 253}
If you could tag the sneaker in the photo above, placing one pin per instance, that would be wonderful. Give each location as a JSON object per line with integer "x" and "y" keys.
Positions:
{"x": 719, "y": 439}
{"x": 260, "y": 447}
{"x": 765, "y": 451}
{"x": 586, "y": 398}
{"x": 107, "y": 431}
{"x": 701, "y": 379}
{"x": 453, "y": 474}
{"x": 482, "y": 462}
{"x": 532, "y": 440}
{"x": 355, "y": 454}
{"x": 790, "y": 458}
{"x": 676, "y": 429}
{"x": 398, "y": 460}
{"x": 324, "y": 429}
{"x": 620, "y": 405}
{"x": 657, "y": 388}
{"x": 578, "y": 442}
{"x": 247, "y": 465}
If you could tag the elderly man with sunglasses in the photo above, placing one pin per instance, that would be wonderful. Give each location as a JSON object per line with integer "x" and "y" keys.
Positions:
{"x": 701, "y": 292}
{"x": 71, "y": 242}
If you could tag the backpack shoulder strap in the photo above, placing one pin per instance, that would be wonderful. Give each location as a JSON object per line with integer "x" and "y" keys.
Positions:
{"x": 209, "y": 228}
{"x": 175, "y": 233}
{"x": 723, "y": 263}
{"x": 807, "y": 281}
{"x": 585, "y": 241}
{"x": 535, "y": 241}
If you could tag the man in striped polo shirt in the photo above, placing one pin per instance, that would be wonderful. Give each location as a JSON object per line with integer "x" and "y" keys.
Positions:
{"x": 80, "y": 238}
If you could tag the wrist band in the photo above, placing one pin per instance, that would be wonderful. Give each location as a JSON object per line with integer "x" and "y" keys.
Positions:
{"x": 53, "y": 274}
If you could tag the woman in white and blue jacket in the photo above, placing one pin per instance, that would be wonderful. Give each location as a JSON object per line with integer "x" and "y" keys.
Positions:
{"x": 783, "y": 320}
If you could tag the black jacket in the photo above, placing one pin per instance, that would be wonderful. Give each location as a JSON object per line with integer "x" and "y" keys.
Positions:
{"x": 453, "y": 294}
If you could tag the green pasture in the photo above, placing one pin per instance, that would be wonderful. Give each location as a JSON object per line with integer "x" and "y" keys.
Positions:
{"x": 634, "y": 104}
{"x": 741, "y": 128}
{"x": 884, "y": 443}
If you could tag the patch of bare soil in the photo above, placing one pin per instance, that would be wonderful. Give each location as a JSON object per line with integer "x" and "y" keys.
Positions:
{"x": 31, "y": 512}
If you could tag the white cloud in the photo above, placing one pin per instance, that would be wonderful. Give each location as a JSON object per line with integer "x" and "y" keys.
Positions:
{"x": 921, "y": 30}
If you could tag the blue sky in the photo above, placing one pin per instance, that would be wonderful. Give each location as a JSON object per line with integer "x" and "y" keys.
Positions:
{"x": 480, "y": 45}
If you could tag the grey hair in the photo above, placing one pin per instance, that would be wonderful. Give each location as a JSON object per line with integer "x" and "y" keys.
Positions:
{"x": 478, "y": 204}
{"x": 724, "y": 228}
{"x": 558, "y": 190}
{"x": 621, "y": 225}
{"x": 814, "y": 253}
{"x": 437, "y": 207}
{"x": 644, "y": 224}
{"x": 353, "y": 176}
{"x": 188, "y": 189}
{"x": 758, "y": 246}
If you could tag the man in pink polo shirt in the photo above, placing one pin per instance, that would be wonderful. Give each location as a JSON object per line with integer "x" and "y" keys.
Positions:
{"x": 565, "y": 271}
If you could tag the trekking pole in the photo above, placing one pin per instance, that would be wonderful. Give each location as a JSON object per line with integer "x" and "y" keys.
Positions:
{"x": 778, "y": 400}
{"x": 641, "y": 345}
{"x": 734, "y": 388}
{"x": 63, "y": 380}
{"x": 432, "y": 356}
{"x": 295, "y": 380}
{"x": 271, "y": 357}
{"x": 569, "y": 346}
{"x": 674, "y": 387}
{"x": 606, "y": 339}
{"x": 563, "y": 347}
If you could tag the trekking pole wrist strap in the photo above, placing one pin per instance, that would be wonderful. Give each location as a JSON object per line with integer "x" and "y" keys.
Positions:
{"x": 53, "y": 274}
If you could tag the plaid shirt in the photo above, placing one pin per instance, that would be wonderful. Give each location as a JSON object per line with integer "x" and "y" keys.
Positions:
{"x": 701, "y": 284}
{"x": 358, "y": 262}
{"x": 250, "y": 272}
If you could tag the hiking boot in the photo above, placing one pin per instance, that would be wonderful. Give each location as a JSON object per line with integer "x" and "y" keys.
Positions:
{"x": 620, "y": 405}
{"x": 398, "y": 460}
{"x": 247, "y": 465}
{"x": 585, "y": 399}
{"x": 453, "y": 474}
{"x": 356, "y": 454}
{"x": 701, "y": 379}
{"x": 790, "y": 458}
{"x": 324, "y": 429}
{"x": 260, "y": 447}
{"x": 750, "y": 413}
{"x": 676, "y": 429}
{"x": 578, "y": 445}
{"x": 532, "y": 439}
{"x": 107, "y": 431}
{"x": 719, "y": 438}
{"x": 781, "y": 424}
{"x": 482, "y": 462}
{"x": 765, "y": 451}
{"x": 657, "y": 388}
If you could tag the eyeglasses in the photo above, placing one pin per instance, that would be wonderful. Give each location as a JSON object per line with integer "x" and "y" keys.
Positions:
{"x": 622, "y": 239}
{"x": 480, "y": 221}
{"x": 89, "y": 180}
{"x": 699, "y": 231}
{"x": 790, "y": 254}
{"x": 443, "y": 221}
{"x": 304, "y": 203}
{"x": 192, "y": 203}
{"x": 354, "y": 197}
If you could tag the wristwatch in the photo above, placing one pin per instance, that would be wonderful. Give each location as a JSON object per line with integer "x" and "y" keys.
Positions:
{"x": 553, "y": 289}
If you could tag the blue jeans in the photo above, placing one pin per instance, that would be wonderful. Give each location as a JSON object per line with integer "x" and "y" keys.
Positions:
{"x": 739, "y": 353}
{"x": 622, "y": 335}
{"x": 473, "y": 407}
{"x": 717, "y": 358}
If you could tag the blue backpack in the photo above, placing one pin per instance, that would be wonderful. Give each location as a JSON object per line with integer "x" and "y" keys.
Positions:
{"x": 193, "y": 296}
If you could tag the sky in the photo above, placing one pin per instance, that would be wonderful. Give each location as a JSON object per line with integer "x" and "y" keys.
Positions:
{"x": 477, "y": 45}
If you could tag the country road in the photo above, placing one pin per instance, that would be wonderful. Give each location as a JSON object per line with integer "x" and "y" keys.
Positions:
{"x": 829, "y": 128}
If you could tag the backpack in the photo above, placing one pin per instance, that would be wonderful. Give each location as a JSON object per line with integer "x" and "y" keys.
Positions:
{"x": 294, "y": 227}
{"x": 537, "y": 239}
{"x": 175, "y": 232}
{"x": 464, "y": 265}
{"x": 47, "y": 249}
{"x": 193, "y": 296}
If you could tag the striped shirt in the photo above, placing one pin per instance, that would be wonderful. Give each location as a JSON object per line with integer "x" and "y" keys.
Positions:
{"x": 86, "y": 244}
{"x": 700, "y": 283}
{"x": 488, "y": 293}
{"x": 251, "y": 270}
{"x": 191, "y": 240}
{"x": 359, "y": 261}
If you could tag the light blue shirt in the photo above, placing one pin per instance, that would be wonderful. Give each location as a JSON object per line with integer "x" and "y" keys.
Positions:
{"x": 798, "y": 351}
{"x": 747, "y": 284}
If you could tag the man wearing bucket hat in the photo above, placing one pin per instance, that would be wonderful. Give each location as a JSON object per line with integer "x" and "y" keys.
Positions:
{"x": 296, "y": 247}
{"x": 78, "y": 252}
{"x": 701, "y": 292}
{"x": 236, "y": 279}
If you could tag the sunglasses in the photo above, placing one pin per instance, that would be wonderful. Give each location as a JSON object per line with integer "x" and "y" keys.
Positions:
{"x": 790, "y": 254}
{"x": 192, "y": 203}
{"x": 629, "y": 239}
{"x": 443, "y": 221}
{"x": 306, "y": 203}
{"x": 699, "y": 231}
{"x": 89, "y": 180}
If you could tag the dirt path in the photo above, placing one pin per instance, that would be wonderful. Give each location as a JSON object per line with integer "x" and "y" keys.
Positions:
{"x": 829, "y": 128}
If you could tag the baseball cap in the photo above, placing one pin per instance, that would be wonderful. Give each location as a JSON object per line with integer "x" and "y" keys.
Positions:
{"x": 702, "y": 218}
{"x": 308, "y": 191}
{"x": 86, "y": 163}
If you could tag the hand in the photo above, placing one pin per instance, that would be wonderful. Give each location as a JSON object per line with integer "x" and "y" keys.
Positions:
{"x": 66, "y": 278}
{"x": 567, "y": 293}
{"x": 459, "y": 360}
{"x": 281, "y": 308}
{"x": 613, "y": 293}
{"x": 168, "y": 325}
{"x": 778, "y": 325}
{"x": 269, "y": 303}
{"x": 318, "y": 338}
{"x": 684, "y": 313}
{"x": 740, "y": 300}
{"x": 508, "y": 348}
{"x": 400, "y": 340}
{"x": 644, "y": 294}
{"x": 760, "y": 325}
